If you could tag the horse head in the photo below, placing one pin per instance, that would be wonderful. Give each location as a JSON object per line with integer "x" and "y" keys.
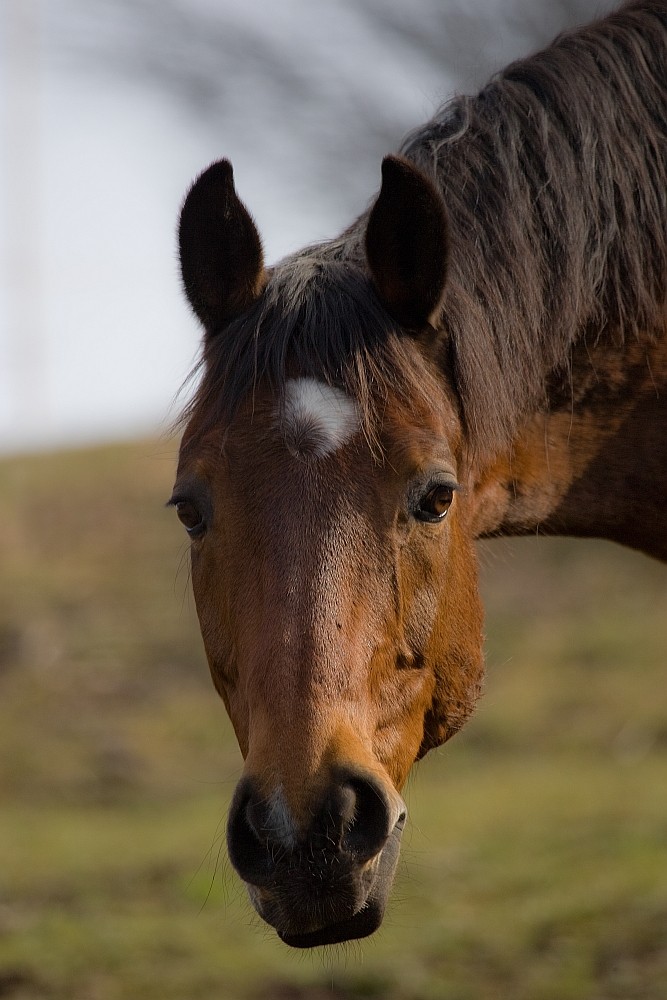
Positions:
{"x": 322, "y": 483}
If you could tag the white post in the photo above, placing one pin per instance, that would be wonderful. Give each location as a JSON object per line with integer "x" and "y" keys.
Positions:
{"x": 27, "y": 383}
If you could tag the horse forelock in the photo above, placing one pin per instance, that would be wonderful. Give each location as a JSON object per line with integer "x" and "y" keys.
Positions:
{"x": 320, "y": 341}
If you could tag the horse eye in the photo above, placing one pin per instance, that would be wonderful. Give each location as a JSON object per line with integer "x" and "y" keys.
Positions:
{"x": 435, "y": 503}
{"x": 190, "y": 518}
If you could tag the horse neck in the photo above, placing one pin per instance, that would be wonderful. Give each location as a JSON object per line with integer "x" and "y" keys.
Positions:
{"x": 593, "y": 461}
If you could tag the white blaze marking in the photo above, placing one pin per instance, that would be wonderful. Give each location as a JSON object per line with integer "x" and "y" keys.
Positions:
{"x": 317, "y": 418}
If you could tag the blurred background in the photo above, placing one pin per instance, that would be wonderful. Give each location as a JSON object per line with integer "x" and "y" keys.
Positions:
{"x": 535, "y": 865}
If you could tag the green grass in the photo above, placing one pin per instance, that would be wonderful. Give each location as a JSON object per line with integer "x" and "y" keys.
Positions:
{"x": 534, "y": 866}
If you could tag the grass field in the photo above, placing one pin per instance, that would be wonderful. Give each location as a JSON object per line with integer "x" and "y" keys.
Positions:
{"x": 535, "y": 862}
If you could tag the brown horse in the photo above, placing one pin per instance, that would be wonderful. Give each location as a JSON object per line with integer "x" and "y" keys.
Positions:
{"x": 484, "y": 352}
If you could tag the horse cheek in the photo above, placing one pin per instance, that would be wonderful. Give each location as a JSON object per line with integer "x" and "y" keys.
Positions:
{"x": 456, "y": 648}
{"x": 213, "y": 612}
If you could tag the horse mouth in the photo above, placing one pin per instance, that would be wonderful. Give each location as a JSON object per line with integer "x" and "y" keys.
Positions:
{"x": 363, "y": 923}
{"x": 290, "y": 920}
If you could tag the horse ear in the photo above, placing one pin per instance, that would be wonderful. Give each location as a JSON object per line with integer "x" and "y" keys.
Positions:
{"x": 220, "y": 248}
{"x": 406, "y": 244}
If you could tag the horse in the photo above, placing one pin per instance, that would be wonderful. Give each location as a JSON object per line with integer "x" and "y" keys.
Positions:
{"x": 483, "y": 352}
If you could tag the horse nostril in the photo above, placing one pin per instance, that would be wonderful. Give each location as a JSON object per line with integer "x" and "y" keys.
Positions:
{"x": 373, "y": 819}
{"x": 248, "y": 851}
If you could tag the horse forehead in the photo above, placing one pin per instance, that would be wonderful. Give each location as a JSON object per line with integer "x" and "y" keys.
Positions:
{"x": 315, "y": 418}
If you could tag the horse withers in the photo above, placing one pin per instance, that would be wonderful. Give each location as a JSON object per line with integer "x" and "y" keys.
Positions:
{"x": 484, "y": 352}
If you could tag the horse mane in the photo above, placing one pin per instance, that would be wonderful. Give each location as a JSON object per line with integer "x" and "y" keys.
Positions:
{"x": 555, "y": 182}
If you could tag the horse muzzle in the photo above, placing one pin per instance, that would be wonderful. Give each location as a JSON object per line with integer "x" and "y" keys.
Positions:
{"x": 330, "y": 883}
